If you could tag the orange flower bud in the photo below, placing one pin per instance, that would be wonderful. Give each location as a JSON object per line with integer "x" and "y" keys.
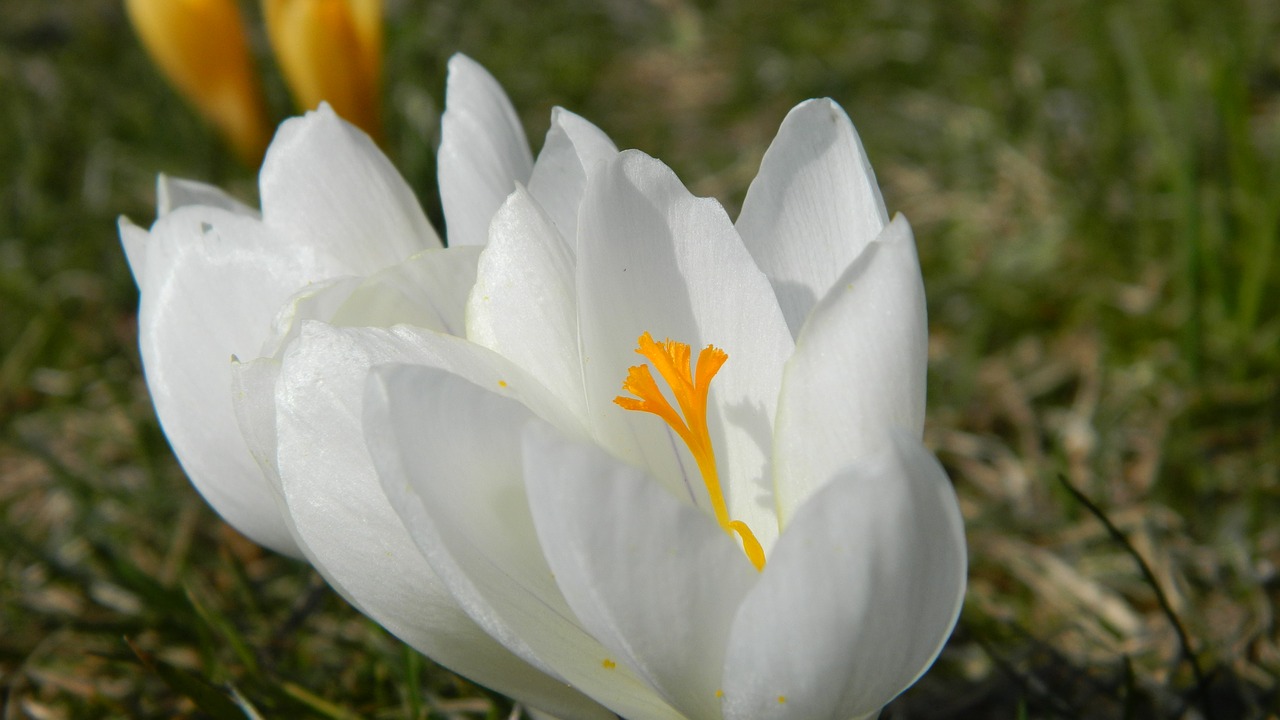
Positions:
{"x": 200, "y": 47}
{"x": 330, "y": 50}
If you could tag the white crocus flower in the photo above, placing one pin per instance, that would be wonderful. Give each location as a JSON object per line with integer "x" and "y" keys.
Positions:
{"x": 222, "y": 285}
{"x": 766, "y": 536}
{"x": 213, "y": 273}
{"x": 440, "y": 432}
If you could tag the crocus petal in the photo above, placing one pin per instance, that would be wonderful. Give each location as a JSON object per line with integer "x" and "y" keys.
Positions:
{"x": 859, "y": 367}
{"x": 812, "y": 208}
{"x": 327, "y": 189}
{"x": 483, "y": 151}
{"x": 173, "y": 193}
{"x": 330, "y": 50}
{"x": 366, "y": 18}
{"x": 134, "y": 239}
{"x": 213, "y": 281}
{"x": 253, "y": 393}
{"x": 348, "y": 529}
{"x": 573, "y": 148}
{"x": 654, "y": 258}
{"x": 859, "y": 595}
{"x": 523, "y": 305}
{"x": 655, "y": 580}
{"x": 447, "y": 448}
{"x": 429, "y": 290}
{"x": 316, "y": 301}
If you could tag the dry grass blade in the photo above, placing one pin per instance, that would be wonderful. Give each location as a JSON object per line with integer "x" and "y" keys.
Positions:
{"x": 1188, "y": 653}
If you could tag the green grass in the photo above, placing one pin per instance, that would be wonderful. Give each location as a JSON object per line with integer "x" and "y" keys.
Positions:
{"x": 1096, "y": 197}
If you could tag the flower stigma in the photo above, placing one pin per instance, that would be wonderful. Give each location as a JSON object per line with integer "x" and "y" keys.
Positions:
{"x": 690, "y": 387}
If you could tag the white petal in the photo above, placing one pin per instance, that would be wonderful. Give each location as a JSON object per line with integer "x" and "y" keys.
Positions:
{"x": 253, "y": 393}
{"x": 429, "y": 290}
{"x": 212, "y": 283}
{"x": 448, "y": 453}
{"x": 483, "y": 151}
{"x": 653, "y": 258}
{"x": 523, "y": 305}
{"x": 859, "y": 596}
{"x": 813, "y": 206}
{"x": 134, "y": 239}
{"x": 350, "y": 532}
{"x": 173, "y": 193}
{"x": 859, "y": 368}
{"x": 573, "y": 149}
{"x": 327, "y": 189}
{"x": 315, "y": 301}
{"x": 655, "y": 580}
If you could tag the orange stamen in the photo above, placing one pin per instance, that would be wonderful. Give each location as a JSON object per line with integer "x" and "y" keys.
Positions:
{"x": 671, "y": 360}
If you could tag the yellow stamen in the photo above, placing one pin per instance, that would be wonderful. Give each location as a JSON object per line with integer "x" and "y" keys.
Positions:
{"x": 671, "y": 360}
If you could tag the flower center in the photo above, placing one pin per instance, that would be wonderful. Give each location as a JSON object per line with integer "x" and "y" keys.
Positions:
{"x": 690, "y": 387}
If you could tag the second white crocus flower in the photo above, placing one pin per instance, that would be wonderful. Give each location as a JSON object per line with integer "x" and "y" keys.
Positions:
{"x": 230, "y": 298}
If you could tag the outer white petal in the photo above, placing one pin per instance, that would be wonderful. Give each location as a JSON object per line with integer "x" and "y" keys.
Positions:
{"x": 523, "y": 305}
{"x": 348, "y": 529}
{"x": 135, "y": 240}
{"x": 652, "y": 257}
{"x": 859, "y": 368}
{"x": 483, "y": 151}
{"x": 813, "y": 206}
{"x": 213, "y": 281}
{"x": 447, "y": 449}
{"x": 652, "y": 578}
{"x": 327, "y": 189}
{"x": 572, "y": 150}
{"x": 173, "y": 193}
{"x": 859, "y": 596}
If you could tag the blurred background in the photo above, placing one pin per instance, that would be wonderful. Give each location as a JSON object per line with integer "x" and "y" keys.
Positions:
{"x": 1095, "y": 190}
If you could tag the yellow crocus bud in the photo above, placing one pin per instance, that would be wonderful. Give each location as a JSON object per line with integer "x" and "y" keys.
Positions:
{"x": 330, "y": 50}
{"x": 200, "y": 46}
